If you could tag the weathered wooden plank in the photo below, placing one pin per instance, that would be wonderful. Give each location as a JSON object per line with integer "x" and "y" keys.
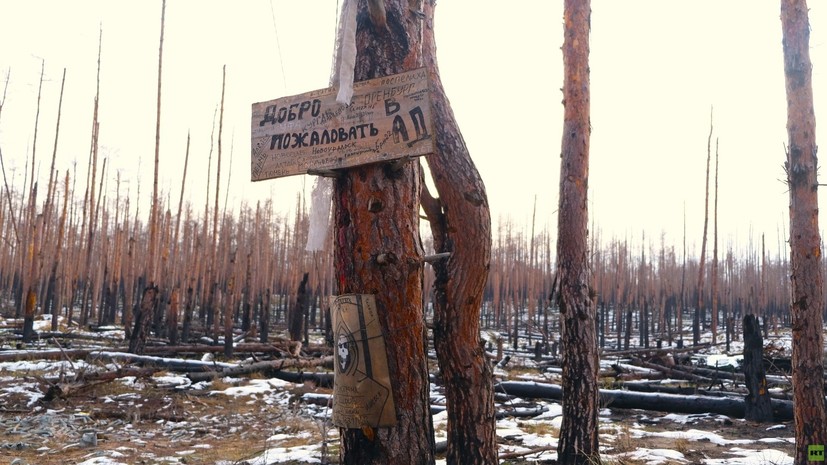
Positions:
{"x": 388, "y": 118}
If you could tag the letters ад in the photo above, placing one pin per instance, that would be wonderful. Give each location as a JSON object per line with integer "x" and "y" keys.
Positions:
{"x": 362, "y": 394}
{"x": 388, "y": 118}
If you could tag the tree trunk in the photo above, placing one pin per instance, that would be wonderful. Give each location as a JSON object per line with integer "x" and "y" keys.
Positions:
{"x": 264, "y": 318}
{"x": 674, "y": 403}
{"x": 172, "y": 317}
{"x": 578, "y": 433}
{"x": 628, "y": 334}
{"x": 696, "y": 320}
{"x": 229, "y": 310}
{"x": 267, "y": 368}
{"x": 461, "y": 225}
{"x": 388, "y": 42}
{"x": 247, "y": 312}
{"x": 31, "y": 295}
{"x": 805, "y": 240}
{"x": 297, "y": 313}
{"x": 714, "y": 277}
{"x": 758, "y": 406}
{"x": 185, "y": 328}
{"x": 143, "y": 320}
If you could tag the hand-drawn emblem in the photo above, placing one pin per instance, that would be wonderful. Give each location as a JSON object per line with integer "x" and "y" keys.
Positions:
{"x": 346, "y": 350}
{"x": 362, "y": 395}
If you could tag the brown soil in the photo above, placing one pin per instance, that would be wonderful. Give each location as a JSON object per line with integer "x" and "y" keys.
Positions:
{"x": 148, "y": 421}
{"x": 143, "y": 426}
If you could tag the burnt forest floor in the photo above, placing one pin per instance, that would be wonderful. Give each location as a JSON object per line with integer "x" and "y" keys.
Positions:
{"x": 163, "y": 418}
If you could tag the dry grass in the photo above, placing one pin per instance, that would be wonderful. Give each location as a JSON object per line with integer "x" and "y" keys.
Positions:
{"x": 518, "y": 372}
{"x": 681, "y": 445}
{"x": 227, "y": 451}
{"x": 624, "y": 441}
{"x": 540, "y": 428}
{"x": 220, "y": 384}
{"x": 623, "y": 461}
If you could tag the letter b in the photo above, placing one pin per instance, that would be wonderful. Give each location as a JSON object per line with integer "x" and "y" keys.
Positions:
{"x": 391, "y": 106}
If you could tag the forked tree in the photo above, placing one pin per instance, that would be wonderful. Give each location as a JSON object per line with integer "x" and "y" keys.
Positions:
{"x": 805, "y": 240}
{"x": 376, "y": 212}
{"x": 578, "y": 433}
{"x": 461, "y": 225}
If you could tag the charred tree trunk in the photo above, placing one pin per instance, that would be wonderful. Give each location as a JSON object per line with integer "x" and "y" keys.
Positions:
{"x": 229, "y": 309}
{"x": 388, "y": 41}
{"x": 697, "y": 317}
{"x": 461, "y": 225}
{"x": 628, "y": 334}
{"x": 172, "y": 317}
{"x": 247, "y": 314}
{"x": 805, "y": 240}
{"x": 143, "y": 319}
{"x": 297, "y": 314}
{"x": 624, "y": 399}
{"x": 187, "y": 325}
{"x": 264, "y": 318}
{"x": 757, "y": 406}
{"x": 714, "y": 277}
{"x": 31, "y": 295}
{"x": 149, "y": 300}
{"x": 578, "y": 432}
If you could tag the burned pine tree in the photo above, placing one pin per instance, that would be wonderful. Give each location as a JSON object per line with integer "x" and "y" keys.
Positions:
{"x": 149, "y": 299}
{"x": 578, "y": 432}
{"x": 461, "y": 225}
{"x": 296, "y": 315}
{"x": 757, "y": 405}
{"x": 805, "y": 239}
{"x": 376, "y": 210}
{"x": 700, "y": 309}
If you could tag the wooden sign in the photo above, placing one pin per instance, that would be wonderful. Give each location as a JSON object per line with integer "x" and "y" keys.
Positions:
{"x": 388, "y": 118}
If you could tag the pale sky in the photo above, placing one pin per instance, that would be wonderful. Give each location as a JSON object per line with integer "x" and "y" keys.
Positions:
{"x": 657, "y": 68}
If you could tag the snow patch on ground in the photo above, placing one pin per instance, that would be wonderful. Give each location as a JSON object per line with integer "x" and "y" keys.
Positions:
{"x": 306, "y": 454}
{"x": 255, "y": 386}
{"x": 101, "y": 461}
{"x": 692, "y": 435}
{"x": 656, "y": 456}
{"x": 522, "y": 434}
{"x": 753, "y": 457}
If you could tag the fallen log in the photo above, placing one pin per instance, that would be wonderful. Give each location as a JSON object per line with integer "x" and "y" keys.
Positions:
{"x": 281, "y": 346}
{"x": 58, "y": 354}
{"x": 654, "y": 350}
{"x": 690, "y": 389}
{"x": 319, "y": 379}
{"x": 526, "y": 411}
{"x": 77, "y": 384}
{"x": 733, "y": 407}
{"x": 51, "y": 354}
{"x": 711, "y": 373}
{"x": 782, "y": 380}
{"x": 98, "y": 337}
{"x": 171, "y": 364}
{"x": 706, "y": 375}
{"x": 535, "y": 450}
{"x": 672, "y": 372}
{"x": 268, "y": 368}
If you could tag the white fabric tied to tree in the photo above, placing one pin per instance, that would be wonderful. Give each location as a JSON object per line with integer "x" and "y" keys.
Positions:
{"x": 344, "y": 61}
{"x": 320, "y": 202}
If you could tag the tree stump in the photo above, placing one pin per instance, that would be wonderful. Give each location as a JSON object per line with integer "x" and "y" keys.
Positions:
{"x": 758, "y": 406}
